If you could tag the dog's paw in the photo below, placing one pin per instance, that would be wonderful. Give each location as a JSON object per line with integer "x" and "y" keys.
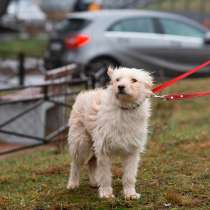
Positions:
{"x": 106, "y": 193}
{"x": 133, "y": 196}
{"x": 72, "y": 185}
{"x": 93, "y": 184}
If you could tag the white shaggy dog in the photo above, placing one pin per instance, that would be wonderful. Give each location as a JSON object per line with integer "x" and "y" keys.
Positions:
{"x": 107, "y": 122}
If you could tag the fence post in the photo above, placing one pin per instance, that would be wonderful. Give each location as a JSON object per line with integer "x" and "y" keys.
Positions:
{"x": 21, "y": 68}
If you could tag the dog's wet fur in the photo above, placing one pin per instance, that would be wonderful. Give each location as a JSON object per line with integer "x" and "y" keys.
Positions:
{"x": 109, "y": 122}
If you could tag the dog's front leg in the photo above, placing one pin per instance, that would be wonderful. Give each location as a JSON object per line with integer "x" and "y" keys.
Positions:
{"x": 104, "y": 176}
{"x": 130, "y": 167}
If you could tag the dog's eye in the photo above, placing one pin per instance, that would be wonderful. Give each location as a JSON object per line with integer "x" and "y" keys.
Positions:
{"x": 134, "y": 80}
{"x": 118, "y": 79}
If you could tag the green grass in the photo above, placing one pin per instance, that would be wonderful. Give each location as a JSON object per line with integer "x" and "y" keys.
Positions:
{"x": 34, "y": 47}
{"x": 175, "y": 169}
{"x": 180, "y": 5}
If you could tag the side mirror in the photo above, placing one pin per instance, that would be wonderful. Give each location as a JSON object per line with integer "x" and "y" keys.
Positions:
{"x": 207, "y": 38}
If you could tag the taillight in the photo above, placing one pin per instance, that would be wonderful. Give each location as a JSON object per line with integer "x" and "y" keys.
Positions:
{"x": 76, "y": 41}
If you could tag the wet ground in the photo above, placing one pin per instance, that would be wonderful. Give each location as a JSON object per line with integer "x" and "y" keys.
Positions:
{"x": 9, "y": 74}
{"x": 8, "y": 147}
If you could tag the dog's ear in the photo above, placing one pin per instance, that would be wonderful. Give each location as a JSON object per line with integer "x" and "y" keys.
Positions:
{"x": 110, "y": 71}
{"x": 148, "y": 81}
{"x": 148, "y": 84}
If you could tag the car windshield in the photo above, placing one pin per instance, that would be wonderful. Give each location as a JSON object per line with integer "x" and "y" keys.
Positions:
{"x": 72, "y": 25}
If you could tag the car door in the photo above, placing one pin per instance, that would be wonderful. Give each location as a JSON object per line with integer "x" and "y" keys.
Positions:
{"x": 183, "y": 46}
{"x": 132, "y": 39}
{"x": 161, "y": 45}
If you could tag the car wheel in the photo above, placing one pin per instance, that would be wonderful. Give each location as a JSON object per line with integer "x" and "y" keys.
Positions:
{"x": 97, "y": 70}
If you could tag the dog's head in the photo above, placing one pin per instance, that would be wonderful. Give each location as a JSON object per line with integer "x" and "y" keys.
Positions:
{"x": 129, "y": 84}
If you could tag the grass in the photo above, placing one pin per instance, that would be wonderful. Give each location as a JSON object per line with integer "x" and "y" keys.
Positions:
{"x": 174, "y": 173}
{"x": 180, "y": 5}
{"x": 34, "y": 47}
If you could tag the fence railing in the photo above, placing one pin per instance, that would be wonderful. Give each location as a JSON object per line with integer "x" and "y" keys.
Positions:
{"x": 15, "y": 69}
{"x": 37, "y": 114}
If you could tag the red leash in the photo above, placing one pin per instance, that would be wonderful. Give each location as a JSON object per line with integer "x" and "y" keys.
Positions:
{"x": 181, "y": 96}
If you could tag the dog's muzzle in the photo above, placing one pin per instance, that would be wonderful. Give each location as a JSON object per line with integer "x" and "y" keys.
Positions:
{"x": 121, "y": 90}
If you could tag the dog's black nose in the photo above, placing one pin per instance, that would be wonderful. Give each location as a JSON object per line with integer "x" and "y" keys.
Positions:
{"x": 121, "y": 87}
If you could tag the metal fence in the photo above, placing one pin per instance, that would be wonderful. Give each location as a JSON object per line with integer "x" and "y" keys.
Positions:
{"x": 37, "y": 114}
{"x": 15, "y": 69}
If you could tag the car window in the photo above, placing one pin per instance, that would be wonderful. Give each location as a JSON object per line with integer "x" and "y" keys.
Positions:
{"x": 72, "y": 25}
{"x": 174, "y": 27}
{"x": 143, "y": 25}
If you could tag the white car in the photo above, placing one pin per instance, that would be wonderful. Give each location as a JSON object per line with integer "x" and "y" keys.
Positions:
{"x": 160, "y": 42}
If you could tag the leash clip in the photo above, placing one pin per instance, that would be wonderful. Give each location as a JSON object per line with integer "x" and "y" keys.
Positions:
{"x": 158, "y": 96}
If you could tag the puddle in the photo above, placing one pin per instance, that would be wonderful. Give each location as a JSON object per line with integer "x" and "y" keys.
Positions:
{"x": 9, "y": 72}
